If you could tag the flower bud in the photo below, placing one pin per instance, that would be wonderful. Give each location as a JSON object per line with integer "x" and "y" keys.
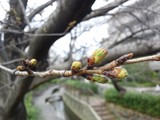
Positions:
{"x": 32, "y": 62}
{"x": 20, "y": 68}
{"x": 122, "y": 73}
{"x": 76, "y": 66}
{"x": 117, "y": 72}
{"x": 96, "y": 78}
{"x": 97, "y": 57}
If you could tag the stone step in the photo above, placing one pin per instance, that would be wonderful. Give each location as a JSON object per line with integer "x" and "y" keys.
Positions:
{"x": 108, "y": 117}
{"x": 103, "y": 113}
{"x": 101, "y": 108}
{"x": 98, "y": 105}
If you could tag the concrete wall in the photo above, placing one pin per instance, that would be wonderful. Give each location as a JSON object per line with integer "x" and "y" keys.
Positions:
{"x": 77, "y": 109}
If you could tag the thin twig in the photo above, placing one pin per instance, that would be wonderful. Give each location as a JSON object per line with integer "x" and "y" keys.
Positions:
{"x": 6, "y": 69}
{"x": 39, "y": 9}
{"x": 143, "y": 59}
{"x": 12, "y": 61}
{"x": 31, "y": 34}
{"x": 24, "y": 13}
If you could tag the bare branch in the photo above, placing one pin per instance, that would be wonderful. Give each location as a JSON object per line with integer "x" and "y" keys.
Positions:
{"x": 143, "y": 59}
{"x": 105, "y": 9}
{"x": 24, "y": 13}
{"x": 39, "y": 9}
{"x": 120, "y": 89}
{"x": 32, "y": 34}
{"x": 127, "y": 37}
{"x": 6, "y": 69}
{"x": 12, "y": 61}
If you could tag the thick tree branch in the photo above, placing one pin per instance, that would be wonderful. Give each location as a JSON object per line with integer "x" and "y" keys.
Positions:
{"x": 58, "y": 22}
{"x": 138, "y": 47}
{"x": 19, "y": 89}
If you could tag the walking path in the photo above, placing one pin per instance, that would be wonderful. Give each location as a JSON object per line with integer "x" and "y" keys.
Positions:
{"x": 49, "y": 111}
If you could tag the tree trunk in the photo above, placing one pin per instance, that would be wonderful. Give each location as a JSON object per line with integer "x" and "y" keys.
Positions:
{"x": 18, "y": 114}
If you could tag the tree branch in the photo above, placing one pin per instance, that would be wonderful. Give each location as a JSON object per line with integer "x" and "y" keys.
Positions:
{"x": 143, "y": 59}
{"x": 138, "y": 47}
{"x": 103, "y": 10}
{"x": 39, "y": 9}
{"x": 12, "y": 61}
{"x": 123, "y": 60}
{"x": 24, "y": 13}
{"x": 58, "y": 23}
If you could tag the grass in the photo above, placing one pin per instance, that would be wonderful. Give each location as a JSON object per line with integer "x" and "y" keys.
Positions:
{"x": 32, "y": 111}
{"x": 144, "y": 103}
{"x": 140, "y": 75}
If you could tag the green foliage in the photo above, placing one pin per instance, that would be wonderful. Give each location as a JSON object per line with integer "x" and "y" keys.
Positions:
{"x": 140, "y": 75}
{"x": 82, "y": 86}
{"x": 144, "y": 103}
{"x": 32, "y": 111}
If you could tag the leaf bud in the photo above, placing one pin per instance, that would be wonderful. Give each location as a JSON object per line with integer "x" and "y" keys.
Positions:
{"x": 97, "y": 57}
{"x": 96, "y": 78}
{"x": 117, "y": 72}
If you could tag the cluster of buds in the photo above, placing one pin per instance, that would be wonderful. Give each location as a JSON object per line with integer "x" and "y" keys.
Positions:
{"x": 103, "y": 73}
{"x": 97, "y": 57}
{"x": 117, "y": 72}
{"x": 27, "y": 64}
{"x": 76, "y": 66}
{"x": 96, "y": 78}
